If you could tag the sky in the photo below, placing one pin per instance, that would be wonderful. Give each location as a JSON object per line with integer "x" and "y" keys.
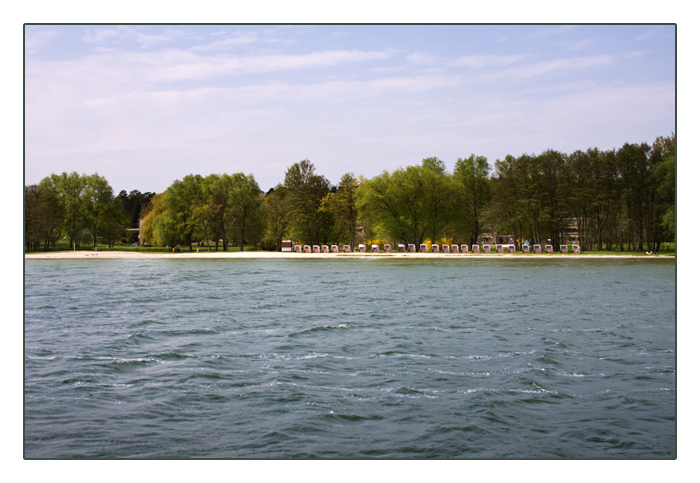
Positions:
{"x": 144, "y": 105}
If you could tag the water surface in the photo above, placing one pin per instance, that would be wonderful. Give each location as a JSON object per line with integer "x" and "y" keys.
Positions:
{"x": 350, "y": 358}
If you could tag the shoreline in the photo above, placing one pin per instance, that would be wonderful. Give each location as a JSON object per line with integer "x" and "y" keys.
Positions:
{"x": 316, "y": 256}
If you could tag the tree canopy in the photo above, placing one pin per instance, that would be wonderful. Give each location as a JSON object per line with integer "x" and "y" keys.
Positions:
{"x": 620, "y": 197}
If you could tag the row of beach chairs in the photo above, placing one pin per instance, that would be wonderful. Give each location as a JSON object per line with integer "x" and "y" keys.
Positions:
{"x": 435, "y": 249}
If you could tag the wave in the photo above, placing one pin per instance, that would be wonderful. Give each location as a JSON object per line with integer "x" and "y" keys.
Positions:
{"x": 320, "y": 328}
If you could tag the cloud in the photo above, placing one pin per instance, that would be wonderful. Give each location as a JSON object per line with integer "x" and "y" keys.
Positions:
{"x": 482, "y": 61}
{"x": 580, "y": 45}
{"x": 228, "y": 41}
{"x": 646, "y": 35}
{"x": 420, "y": 58}
{"x": 35, "y": 40}
{"x": 559, "y": 30}
{"x": 171, "y": 65}
{"x": 120, "y": 34}
{"x": 544, "y": 67}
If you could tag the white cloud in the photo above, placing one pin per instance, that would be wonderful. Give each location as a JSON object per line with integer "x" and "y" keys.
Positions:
{"x": 481, "y": 61}
{"x": 420, "y": 58}
{"x": 646, "y": 35}
{"x": 544, "y": 67}
{"x": 557, "y": 30}
{"x": 121, "y": 33}
{"x": 35, "y": 40}
{"x": 228, "y": 41}
{"x": 177, "y": 65}
{"x": 580, "y": 45}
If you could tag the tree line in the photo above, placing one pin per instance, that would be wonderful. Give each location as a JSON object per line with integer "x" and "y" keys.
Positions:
{"x": 80, "y": 209}
{"x": 621, "y": 197}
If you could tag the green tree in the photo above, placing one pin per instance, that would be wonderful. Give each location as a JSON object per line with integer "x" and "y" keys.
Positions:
{"x": 102, "y": 216}
{"x": 43, "y": 217}
{"x": 182, "y": 198}
{"x": 473, "y": 194}
{"x": 665, "y": 175}
{"x": 341, "y": 204}
{"x": 246, "y": 205}
{"x": 158, "y": 227}
{"x": 135, "y": 205}
{"x": 277, "y": 208}
{"x": 515, "y": 206}
{"x": 204, "y": 213}
{"x": 633, "y": 160}
{"x": 408, "y": 204}
{"x": 306, "y": 191}
{"x": 69, "y": 190}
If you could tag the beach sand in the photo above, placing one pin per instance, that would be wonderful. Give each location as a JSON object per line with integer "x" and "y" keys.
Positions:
{"x": 262, "y": 254}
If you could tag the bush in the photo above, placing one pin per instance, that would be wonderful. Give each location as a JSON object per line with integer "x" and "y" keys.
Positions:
{"x": 269, "y": 246}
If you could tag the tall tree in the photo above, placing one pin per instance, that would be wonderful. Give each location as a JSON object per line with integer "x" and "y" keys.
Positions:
{"x": 44, "y": 216}
{"x": 181, "y": 201}
{"x": 306, "y": 191}
{"x": 101, "y": 213}
{"x": 408, "y": 204}
{"x": 277, "y": 214}
{"x": 205, "y": 211}
{"x": 246, "y": 203}
{"x": 633, "y": 164}
{"x": 341, "y": 204}
{"x": 474, "y": 194}
{"x": 158, "y": 226}
{"x": 665, "y": 175}
{"x": 69, "y": 189}
{"x": 135, "y": 205}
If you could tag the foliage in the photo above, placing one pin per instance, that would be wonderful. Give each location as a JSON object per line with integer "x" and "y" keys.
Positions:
{"x": 616, "y": 199}
{"x": 277, "y": 212}
{"x": 473, "y": 195}
{"x": 342, "y": 207}
{"x": 306, "y": 191}
{"x": 408, "y": 204}
{"x": 78, "y": 207}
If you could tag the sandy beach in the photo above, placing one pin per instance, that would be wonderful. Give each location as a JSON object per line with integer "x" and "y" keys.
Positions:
{"x": 355, "y": 255}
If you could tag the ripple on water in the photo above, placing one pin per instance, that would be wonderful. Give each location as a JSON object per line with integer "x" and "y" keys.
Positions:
{"x": 349, "y": 359}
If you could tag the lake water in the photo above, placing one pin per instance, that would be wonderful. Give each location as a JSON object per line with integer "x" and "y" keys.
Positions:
{"x": 350, "y": 358}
